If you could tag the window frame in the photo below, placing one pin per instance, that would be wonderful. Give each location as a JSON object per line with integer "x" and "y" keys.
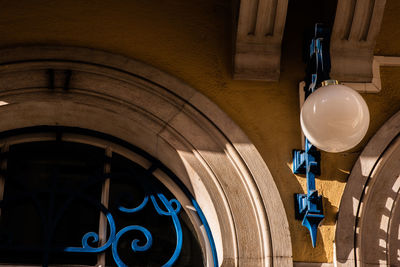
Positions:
{"x": 110, "y": 145}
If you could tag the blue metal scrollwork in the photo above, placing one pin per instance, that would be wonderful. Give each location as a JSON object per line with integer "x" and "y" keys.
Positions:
{"x": 174, "y": 214}
{"x": 95, "y": 238}
{"x": 138, "y": 208}
{"x": 114, "y": 238}
{"x": 135, "y": 247}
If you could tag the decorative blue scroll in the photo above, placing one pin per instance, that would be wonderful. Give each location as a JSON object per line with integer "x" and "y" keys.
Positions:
{"x": 135, "y": 247}
{"x": 174, "y": 214}
{"x": 114, "y": 236}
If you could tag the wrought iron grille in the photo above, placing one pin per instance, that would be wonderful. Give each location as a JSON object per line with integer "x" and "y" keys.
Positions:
{"x": 69, "y": 203}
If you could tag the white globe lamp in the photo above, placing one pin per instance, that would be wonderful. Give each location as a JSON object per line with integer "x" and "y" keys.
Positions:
{"x": 334, "y": 118}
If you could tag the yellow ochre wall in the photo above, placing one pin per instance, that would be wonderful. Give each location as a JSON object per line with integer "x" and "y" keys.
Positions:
{"x": 192, "y": 40}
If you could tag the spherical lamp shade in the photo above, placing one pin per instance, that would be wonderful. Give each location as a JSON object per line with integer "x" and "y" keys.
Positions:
{"x": 334, "y": 118}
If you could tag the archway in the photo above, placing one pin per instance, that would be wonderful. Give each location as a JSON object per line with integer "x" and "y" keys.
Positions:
{"x": 111, "y": 94}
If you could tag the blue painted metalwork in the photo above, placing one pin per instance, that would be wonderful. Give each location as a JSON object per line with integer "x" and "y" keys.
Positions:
{"x": 89, "y": 243}
{"x": 178, "y": 229}
{"x": 114, "y": 238}
{"x": 138, "y": 208}
{"x": 172, "y": 209}
{"x": 201, "y": 216}
{"x": 208, "y": 231}
{"x": 309, "y": 207}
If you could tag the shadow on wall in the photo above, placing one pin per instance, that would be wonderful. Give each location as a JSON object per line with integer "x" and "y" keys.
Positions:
{"x": 330, "y": 212}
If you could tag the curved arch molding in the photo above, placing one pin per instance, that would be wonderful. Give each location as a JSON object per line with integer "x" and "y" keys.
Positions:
{"x": 130, "y": 100}
{"x": 368, "y": 232}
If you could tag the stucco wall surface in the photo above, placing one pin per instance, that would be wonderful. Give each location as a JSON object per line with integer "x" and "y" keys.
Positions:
{"x": 389, "y": 37}
{"x": 192, "y": 41}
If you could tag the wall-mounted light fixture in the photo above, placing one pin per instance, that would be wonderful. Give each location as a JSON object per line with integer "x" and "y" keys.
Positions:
{"x": 334, "y": 118}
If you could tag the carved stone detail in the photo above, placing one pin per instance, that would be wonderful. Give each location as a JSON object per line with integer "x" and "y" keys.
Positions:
{"x": 258, "y": 39}
{"x": 357, "y": 24}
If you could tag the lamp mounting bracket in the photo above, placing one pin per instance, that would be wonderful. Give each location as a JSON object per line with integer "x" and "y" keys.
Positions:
{"x": 309, "y": 207}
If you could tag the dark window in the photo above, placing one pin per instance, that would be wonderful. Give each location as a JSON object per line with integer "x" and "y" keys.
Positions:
{"x": 54, "y": 193}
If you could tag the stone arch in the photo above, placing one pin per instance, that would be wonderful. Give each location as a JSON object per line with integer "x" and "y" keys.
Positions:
{"x": 95, "y": 90}
{"x": 367, "y": 230}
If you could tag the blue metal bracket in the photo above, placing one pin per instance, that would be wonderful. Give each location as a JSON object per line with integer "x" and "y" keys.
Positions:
{"x": 309, "y": 207}
{"x": 299, "y": 161}
{"x": 311, "y": 218}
